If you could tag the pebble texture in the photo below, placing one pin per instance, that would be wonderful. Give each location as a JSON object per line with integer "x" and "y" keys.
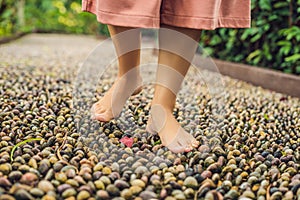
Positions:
{"x": 250, "y": 152}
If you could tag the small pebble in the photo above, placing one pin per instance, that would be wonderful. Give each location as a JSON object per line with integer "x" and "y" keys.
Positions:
{"x": 5, "y": 168}
{"x": 135, "y": 189}
{"x": 6, "y": 197}
{"x": 15, "y": 176}
{"x": 61, "y": 177}
{"x": 105, "y": 180}
{"x": 99, "y": 185}
{"x": 29, "y": 178}
{"x": 4, "y": 182}
{"x": 138, "y": 182}
{"x": 102, "y": 194}
{"x": 248, "y": 194}
{"x": 190, "y": 182}
{"x": 121, "y": 184}
{"x": 145, "y": 195}
{"x": 23, "y": 195}
{"x": 106, "y": 171}
{"x": 69, "y": 192}
{"x": 126, "y": 194}
{"x": 45, "y": 186}
{"x": 112, "y": 190}
{"x": 82, "y": 195}
{"x": 36, "y": 192}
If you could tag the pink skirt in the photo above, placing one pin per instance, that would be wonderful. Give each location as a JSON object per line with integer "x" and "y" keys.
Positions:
{"x": 197, "y": 14}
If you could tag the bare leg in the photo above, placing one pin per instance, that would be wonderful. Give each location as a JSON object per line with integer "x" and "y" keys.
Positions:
{"x": 171, "y": 71}
{"x": 128, "y": 81}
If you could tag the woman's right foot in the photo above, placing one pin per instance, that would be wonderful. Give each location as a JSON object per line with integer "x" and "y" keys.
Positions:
{"x": 172, "y": 135}
{"x": 112, "y": 103}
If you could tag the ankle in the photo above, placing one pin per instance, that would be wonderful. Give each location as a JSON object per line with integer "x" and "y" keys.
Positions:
{"x": 168, "y": 108}
{"x": 129, "y": 73}
{"x": 158, "y": 116}
{"x": 136, "y": 79}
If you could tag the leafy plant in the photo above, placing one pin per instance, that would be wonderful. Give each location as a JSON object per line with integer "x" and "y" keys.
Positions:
{"x": 272, "y": 41}
{"x": 46, "y": 16}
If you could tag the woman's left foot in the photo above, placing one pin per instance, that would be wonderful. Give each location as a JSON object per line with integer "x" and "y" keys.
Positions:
{"x": 172, "y": 135}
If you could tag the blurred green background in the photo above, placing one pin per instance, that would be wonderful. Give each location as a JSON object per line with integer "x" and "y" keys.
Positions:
{"x": 273, "y": 41}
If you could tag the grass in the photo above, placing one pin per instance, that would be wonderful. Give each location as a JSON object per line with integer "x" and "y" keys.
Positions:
{"x": 21, "y": 143}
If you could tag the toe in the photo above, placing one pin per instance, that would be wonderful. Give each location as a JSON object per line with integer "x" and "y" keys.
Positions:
{"x": 195, "y": 143}
{"x": 96, "y": 111}
{"x": 176, "y": 147}
{"x": 93, "y": 109}
{"x": 188, "y": 142}
{"x": 188, "y": 149}
{"x": 186, "y": 146}
{"x": 102, "y": 117}
{"x": 100, "y": 110}
{"x": 97, "y": 106}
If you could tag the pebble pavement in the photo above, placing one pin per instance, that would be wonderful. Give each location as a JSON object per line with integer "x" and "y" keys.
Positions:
{"x": 251, "y": 151}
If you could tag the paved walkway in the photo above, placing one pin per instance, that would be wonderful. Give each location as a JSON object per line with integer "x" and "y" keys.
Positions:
{"x": 254, "y": 152}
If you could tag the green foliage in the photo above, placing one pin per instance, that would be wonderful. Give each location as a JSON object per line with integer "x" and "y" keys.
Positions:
{"x": 103, "y": 30}
{"x": 7, "y": 17}
{"x": 273, "y": 41}
{"x": 48, "y": 16}
{"x": 59, "y": 15}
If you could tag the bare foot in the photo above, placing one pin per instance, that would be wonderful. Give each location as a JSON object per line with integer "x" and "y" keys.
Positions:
{"x": 112, "y": 103}
{"x": 172, "y": 135}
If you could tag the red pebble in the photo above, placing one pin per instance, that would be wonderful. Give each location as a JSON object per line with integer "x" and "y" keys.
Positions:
{"x": 127, "y": 141}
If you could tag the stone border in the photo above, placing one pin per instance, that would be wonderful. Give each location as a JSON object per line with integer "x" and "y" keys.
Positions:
{"x": 7, "y": 39}
{"x": 266, "y": 78}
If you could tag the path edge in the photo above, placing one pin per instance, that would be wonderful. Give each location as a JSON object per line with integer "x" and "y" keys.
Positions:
{"x": 11, "y": 38}
{"x": 266, "y": 78}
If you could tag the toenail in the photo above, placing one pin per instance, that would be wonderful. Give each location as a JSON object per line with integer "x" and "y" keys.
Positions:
{"x": 188, "y": 149}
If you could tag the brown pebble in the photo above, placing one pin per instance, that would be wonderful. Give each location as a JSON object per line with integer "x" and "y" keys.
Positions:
{"x": 206, "y": 174}
{"x": 6, "y": 197}
{"x": 45, "y": 186}
{"x": 29, "y": 179}
{"x": 4, "y": 182}
{"x": 102, "y": 194}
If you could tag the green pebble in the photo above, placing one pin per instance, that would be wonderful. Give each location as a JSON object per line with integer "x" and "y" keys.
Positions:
{"x": 99, "y": 185}
{"x": 82, "y": 195}
{"x": 69, "y": 192}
